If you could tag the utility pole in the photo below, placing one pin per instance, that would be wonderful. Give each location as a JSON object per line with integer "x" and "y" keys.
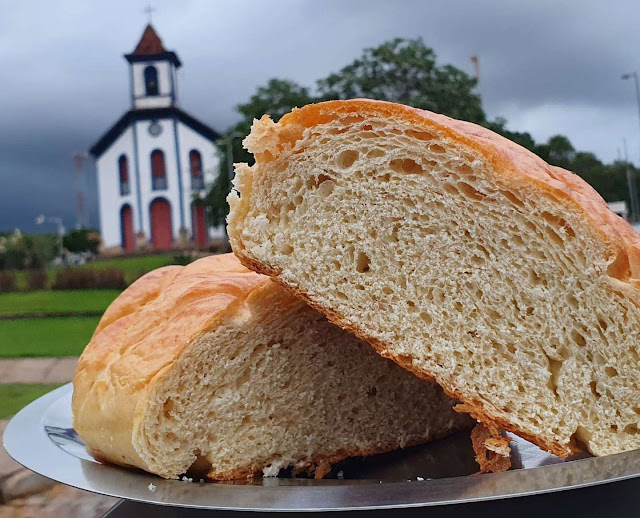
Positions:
{"x": 630, "y": 183}
{"x": 79, "y": 159}
{"x": 476, "y": 70}
{"x": 630, "y": 177}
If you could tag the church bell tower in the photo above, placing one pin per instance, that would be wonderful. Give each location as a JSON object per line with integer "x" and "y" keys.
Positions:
{"x": 152, "y": 73}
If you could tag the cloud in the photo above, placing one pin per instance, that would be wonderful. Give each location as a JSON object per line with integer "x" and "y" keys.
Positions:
{"x": 548, "y": 67}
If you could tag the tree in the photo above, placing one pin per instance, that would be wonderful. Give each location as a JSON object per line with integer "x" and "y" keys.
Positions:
{"x": 405, "y": 71}
{"x": 82, "y": 240}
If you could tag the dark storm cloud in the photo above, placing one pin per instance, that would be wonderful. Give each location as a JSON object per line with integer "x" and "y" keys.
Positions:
{"x": 548, "y": 67}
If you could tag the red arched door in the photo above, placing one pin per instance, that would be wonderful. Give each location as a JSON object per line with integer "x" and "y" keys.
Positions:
{"x": 161, "y": 223}
{"x": 199, "y": 224}
{"x": 126, "y": 228}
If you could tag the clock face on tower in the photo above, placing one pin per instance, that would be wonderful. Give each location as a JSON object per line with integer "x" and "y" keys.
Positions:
{"x": 155, "y": 129}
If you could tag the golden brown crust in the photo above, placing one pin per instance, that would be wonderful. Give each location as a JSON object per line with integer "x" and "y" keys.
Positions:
{"x": 516, "y": 165}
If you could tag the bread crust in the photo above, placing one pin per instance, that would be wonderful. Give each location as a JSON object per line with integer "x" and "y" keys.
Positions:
{"x": 516, "y": 165}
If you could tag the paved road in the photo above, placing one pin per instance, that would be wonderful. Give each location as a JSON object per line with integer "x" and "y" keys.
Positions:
{"x": 37, "y": 370}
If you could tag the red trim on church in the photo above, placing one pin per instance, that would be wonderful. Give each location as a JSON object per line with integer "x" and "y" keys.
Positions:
{"x": 126, "y": 228}
{"x": 161, "y": 224}
{"x": 199, "y": 225}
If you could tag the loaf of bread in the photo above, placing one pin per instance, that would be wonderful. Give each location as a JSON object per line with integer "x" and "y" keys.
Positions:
{"x": 215, "y": 371}
{"x": 458, "y": 254}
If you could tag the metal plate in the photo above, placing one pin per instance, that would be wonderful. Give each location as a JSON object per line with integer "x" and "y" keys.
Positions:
{"x": 42, "y": 439}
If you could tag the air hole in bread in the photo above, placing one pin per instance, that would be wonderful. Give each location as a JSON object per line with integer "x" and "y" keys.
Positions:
{"x": 512, "y": 198}
{"x": 420, "y": 135}
{"x": 286, "y": 249}
{"x": 578, "y": 338}
{"x": 405, "y": 165}
{"x": 610, "y": 371}
{"x": 470, "y": 192}
{"x": 437, "y": 148}
{"x": 363, "y": 263}
{"x": 376, "y": 153}
{"x": 572, "y": 301}
{"x": 426, "y": 317}
{"x": 346, "y": 159}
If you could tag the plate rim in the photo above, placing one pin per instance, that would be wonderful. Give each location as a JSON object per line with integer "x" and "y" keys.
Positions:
{"x": 27, "y": 442}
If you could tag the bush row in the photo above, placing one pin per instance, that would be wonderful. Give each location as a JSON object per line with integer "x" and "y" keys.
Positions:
{"x": 66, "y": 279}
{"x": 85, "y": 279}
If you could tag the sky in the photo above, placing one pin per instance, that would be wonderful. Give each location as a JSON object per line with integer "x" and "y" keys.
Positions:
{"x": 547, "y": 67}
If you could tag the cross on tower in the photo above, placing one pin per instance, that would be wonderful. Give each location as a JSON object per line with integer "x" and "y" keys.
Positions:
{"x": 149, "y": 11}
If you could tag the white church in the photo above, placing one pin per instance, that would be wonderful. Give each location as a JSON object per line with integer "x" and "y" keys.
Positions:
{"x": 153, "y": 160}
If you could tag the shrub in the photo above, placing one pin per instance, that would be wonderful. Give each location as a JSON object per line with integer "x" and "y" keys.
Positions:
{"x": 18, "y": 251}
{"x": 82, "y": 240}
{"x": 8, "y": 281}
{"x": 85, "y": 279}
{"x": 37, "y": 280}
{"x": 183, "y": 259}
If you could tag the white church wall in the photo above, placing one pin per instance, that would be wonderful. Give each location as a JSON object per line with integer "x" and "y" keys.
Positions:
{"x": 190, "y": 139}
{"x": 163, "y": 98}
{"x": 110, "y": 201}
{"x": 166, "y": 143}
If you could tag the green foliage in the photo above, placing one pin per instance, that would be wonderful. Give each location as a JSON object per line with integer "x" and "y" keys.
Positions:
{"x": 82, "y": 240}
{"x": 15, "y": 396}
{"x": 183, "y": 259}
{"x": 56, "y": 301}
{"x": 46, "y": 337}
{"x": 405, "y": 71}
{"x": 23, "y": 252}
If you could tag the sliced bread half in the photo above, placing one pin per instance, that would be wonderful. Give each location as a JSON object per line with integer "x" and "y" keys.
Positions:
{"x": 460, "y": 255}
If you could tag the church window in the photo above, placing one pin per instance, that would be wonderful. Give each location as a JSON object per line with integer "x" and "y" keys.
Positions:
{"x": 195, "y": 163}
{"x": 123, "y": 169}
{"x": 151, "y": 80}
{"x": 158, "y": 170}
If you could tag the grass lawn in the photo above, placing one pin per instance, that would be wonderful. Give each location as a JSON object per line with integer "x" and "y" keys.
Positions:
{"x": 15, "y": 396}
{"x": 56, "y": 301}
{"x": 29, "y": 337}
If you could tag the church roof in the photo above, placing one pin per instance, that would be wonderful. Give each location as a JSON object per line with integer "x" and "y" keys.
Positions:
{"x": 150, "y": 48}
{"x": 171, "y": 112}
{"x": 149, "y": 44}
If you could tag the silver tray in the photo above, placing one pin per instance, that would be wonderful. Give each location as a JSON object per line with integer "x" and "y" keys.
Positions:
{"x": 41, "y": 438}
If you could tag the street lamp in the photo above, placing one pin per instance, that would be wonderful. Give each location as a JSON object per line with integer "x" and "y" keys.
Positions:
{"x": 630, "y": 179}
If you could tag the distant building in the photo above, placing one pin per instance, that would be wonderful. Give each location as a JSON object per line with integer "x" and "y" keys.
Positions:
{"x": 153, "y": 160}
{"x": 619, "y": 208}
